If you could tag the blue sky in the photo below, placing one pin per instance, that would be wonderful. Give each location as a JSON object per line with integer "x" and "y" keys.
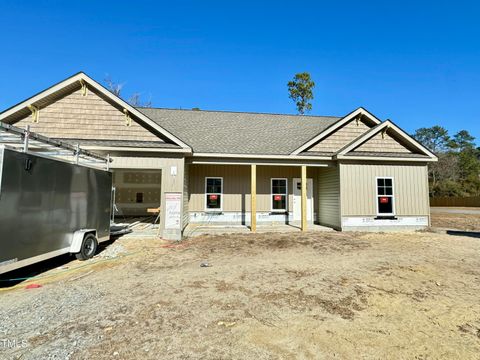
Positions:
{"x": 415, "y": 62}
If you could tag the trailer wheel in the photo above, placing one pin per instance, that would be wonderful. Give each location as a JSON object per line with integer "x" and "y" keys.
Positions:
{"x": 89, "y": 247}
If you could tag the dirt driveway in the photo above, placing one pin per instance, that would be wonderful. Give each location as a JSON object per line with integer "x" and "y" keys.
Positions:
{"x": 269, "y": 296}
{"x": 464, "y": 219}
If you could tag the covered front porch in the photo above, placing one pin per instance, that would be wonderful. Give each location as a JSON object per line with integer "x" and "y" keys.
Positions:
{"x": 256, "y": 197}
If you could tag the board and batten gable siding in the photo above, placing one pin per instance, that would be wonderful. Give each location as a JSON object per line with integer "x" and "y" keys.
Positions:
{"x": 236, "y": 185}
{"x": 329, "y": 197}
{"x": 384, "y": 143}
{"x": 75, "y": 116}
{"x": 358, "y": 188}
{"x": 341, "y": 137}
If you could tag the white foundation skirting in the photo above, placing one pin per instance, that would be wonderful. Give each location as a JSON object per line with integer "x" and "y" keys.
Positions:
{"x": 372, "y": 222}
{"x": 238, "y": 218}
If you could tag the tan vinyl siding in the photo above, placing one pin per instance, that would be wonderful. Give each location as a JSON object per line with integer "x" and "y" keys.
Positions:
{"x": 358, "y": 188}
{"x": 341, "y": 137}
{"x": 186, "y": 181}
{"x": 236, "y": 185}
{"x": 85, "y": 117}
{"x": 329, "y": 197}
{"x": 384, "y": 143}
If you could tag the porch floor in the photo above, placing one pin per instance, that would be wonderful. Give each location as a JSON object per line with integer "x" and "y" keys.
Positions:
{"x": 193, "y": 230}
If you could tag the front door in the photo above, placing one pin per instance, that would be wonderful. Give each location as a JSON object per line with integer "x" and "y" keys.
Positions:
{"x": 297, "y": 199}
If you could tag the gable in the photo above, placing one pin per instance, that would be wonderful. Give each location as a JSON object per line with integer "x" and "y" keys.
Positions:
{"x": 79, "y": 107}
{"x": 386, "y": 139}
{"x": 85, "y": 116}
{"x": 383, "y": 142}
{"x": 343, "y": 136}
{"x": 358, "y": 115}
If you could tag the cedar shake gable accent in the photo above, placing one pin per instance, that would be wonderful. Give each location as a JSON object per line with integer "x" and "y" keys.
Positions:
{"x": 344, "y": 135}
{"x": 385, "y": 138}
{"x": 358, "y": 115}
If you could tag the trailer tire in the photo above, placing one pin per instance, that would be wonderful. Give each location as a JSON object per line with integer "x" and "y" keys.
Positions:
{"x": 89, "y": 247}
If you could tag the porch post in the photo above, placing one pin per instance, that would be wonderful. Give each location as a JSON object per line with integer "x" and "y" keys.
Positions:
{"x": 304, "y": 198}
{"x": 253, "y": 200}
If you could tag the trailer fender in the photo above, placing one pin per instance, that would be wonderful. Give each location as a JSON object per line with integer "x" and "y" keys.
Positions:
{"x": 78, "y": 237}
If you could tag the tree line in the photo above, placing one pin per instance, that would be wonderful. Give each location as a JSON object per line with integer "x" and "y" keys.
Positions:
{"x": 457, "y": 172}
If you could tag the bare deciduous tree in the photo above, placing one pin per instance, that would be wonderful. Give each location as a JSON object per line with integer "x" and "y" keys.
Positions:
{"x": 116, "y": 88}
{"x": 135, "y": 100}
{"x": 113, "y": 86}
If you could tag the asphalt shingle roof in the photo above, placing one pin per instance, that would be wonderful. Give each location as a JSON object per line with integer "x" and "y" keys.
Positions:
{"x": 240, "y": 133}
{"x": 386, "y": 154}
{"x": 122, "y": 143}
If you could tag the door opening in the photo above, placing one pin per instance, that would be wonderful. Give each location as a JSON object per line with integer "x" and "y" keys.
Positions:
{"x": 297, "y": 199}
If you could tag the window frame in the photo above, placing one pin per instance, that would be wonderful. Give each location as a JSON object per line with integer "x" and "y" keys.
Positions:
{"x": 207, "y": 209}
{"x": 272, "y": 194}
{"x": 377, "y": 196}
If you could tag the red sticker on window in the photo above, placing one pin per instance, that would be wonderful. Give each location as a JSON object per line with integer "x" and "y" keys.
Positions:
{"x": 277, "y": 197}
{"x": 384, "y": 200}
{"x": 213, "y": 197}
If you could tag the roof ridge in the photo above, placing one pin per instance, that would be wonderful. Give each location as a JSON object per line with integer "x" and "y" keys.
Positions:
{"x": 236, "y": 112}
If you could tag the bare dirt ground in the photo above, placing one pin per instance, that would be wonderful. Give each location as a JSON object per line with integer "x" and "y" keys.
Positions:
{"x": 267, "y": 296}
{"x": 443, "y": 218}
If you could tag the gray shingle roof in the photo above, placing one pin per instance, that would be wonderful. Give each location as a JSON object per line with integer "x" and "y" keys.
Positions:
{"x": 386, "y": 154}
{"x": 317, "y": 153}
{"x": 121, "y": 143}
{"x": 240, "y": 133}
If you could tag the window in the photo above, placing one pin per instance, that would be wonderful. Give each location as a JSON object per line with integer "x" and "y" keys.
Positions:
{"x": 279, "y": 194}
{"x": 385, "y": 200}
{"x": 213, "y": 193}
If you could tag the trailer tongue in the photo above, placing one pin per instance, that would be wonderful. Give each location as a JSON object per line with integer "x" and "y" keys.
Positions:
{"x": 55, "y": 198}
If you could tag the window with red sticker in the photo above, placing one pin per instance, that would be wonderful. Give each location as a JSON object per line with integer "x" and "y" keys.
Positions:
{"x": 279, "y": 194}
{"x": 385, "y": 199}
{"x": 213, "y": 193}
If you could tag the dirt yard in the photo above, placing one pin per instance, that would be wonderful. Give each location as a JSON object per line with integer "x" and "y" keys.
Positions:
{"x": 466, "y": 222}
{"x": 269, "y": 296}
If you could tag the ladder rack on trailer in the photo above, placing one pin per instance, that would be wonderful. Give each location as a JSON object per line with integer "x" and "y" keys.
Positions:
{"x": 25, "y": 140}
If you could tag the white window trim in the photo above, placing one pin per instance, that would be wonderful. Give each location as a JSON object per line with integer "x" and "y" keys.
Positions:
{"x": 272, "y": 194}
{"x": 391, "y": 196}
{"x": 220, "y": 193}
